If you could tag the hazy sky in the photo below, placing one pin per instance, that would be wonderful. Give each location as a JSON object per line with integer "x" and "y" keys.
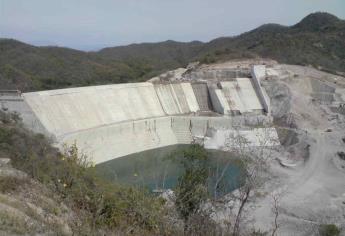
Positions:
{"x": 91, "y": 24}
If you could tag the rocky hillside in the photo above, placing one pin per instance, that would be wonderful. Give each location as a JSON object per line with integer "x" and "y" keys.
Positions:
{"x": 27, "y": 207}
{"x": 318, "y": 40}
{"x": 47, "y": 192}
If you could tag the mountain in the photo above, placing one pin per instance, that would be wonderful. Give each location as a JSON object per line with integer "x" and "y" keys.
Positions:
{"x": 318, "y": 22}
{"x": 164, "y": 52}
{"x": 317, "y": 40}
{"x": 27, "y": 68}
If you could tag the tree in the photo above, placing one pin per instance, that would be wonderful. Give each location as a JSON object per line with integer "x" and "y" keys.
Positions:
{"x": 254, "y": 161}
{"x": 191, "y": 190}
{"x": 275, "y": 210}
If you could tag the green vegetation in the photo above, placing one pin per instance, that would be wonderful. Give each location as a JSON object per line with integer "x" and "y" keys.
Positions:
{"x": 71, "y": 177}
{"x": 191, "y": 189}
{"x": 15, "y": 224}
{"x": 10, "y": 183}
{"x": 100, "y": 207}
{"x": 192, "y": 192}
{"x": 329, "y": 230}
{"x": 318, "y": 40}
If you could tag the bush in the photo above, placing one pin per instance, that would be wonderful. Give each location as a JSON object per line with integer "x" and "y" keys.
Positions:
{"x": 329, "y": 230}
{"x": 191, "y": 189}
{"x": 10, "y": 183}
{"x": 72, "y": 178}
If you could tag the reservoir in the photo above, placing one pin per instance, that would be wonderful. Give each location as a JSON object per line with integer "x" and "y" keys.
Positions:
{"x": 159, "y": 169}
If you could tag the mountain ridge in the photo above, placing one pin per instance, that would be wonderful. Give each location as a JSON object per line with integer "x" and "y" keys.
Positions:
{"x": 317, "y": 40}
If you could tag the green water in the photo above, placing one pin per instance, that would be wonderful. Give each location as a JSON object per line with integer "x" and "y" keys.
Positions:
{"x": 155, "y": 169}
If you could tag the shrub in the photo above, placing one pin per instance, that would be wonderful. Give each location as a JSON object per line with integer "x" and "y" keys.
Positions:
{"x": 98, "y": 204}
{"x": 329, "y": 230}
{"x": 11, "y": 183}
{"x": 191, "y": 189}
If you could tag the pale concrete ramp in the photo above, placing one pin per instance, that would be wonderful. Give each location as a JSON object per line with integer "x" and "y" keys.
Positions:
{"x": 190, "y": 97}
{"x": 181, "y": 98}
{"x": 177, "y": 98}
{"x": 167, "y": 99}
{"x": 248, "y": 95}
{"x": 219, "y": 101}
{"x": 241, "y": 95}
{"x": 202, "y": 97}
{"x": 230, "y": 90}
{"x": 69, "y": 110}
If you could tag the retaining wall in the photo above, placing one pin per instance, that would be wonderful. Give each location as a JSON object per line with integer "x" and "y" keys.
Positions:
{"x": 259, "y": 73}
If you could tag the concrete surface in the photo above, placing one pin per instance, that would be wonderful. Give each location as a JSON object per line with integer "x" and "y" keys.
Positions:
{"x": 259, "y": 74}
{"x": 69, "y": 110}
{"x": 112, "y": 141}
{"x": 111, "y": 121}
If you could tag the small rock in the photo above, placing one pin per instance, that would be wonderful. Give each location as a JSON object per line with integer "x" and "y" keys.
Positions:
{"x": 4, "y": 161}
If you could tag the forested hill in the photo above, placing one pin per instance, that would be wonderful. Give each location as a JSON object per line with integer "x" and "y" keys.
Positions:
{"x": 317, "y": 40}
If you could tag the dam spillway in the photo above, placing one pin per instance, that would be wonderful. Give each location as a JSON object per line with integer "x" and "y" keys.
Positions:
{"x": 111, "y": 121}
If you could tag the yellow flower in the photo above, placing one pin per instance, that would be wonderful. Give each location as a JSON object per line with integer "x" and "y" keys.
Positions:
{"x": 65, "y": 185}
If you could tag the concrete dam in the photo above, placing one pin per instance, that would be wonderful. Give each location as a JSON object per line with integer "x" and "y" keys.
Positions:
{"x": 111, "y": 121}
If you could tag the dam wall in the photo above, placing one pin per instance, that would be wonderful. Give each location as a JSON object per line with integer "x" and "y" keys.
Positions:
{"x": 69, "y": 110}
{"x": 116, "y": 140}
{"x": 111, "y": 121}
{"x": 12, "y": 101}
{"x": 109, "y": 142}
{"x": 66, "y": 111}
{"x": 106, "y": 143}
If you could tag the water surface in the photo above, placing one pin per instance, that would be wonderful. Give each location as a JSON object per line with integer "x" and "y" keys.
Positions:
{"x": 157, "y": 170}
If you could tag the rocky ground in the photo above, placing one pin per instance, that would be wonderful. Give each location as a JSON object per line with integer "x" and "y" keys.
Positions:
{"x": 306, "y": 174}
{"x": 28, "y": 208}
{"x": 309, "y": 176}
